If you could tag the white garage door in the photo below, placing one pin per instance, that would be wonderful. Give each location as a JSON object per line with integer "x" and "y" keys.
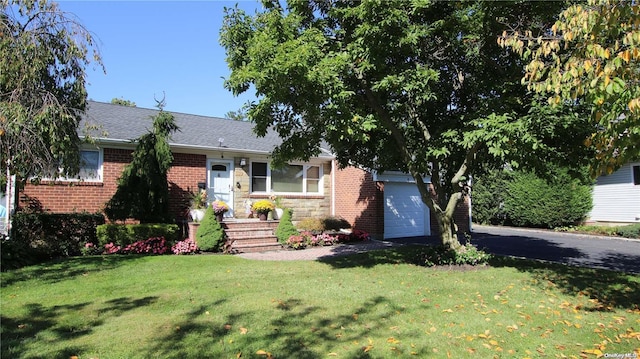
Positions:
{"x": 405, "y": 215}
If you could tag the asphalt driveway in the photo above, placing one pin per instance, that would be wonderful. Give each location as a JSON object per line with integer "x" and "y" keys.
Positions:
{"x": 569, "y": 248}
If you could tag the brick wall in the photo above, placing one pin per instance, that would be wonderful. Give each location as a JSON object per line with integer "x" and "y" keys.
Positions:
{"x": 359, "y": 200}
{"x": 66, "y": 196}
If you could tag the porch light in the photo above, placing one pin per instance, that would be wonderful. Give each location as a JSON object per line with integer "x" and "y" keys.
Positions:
{"x": 243, "y": 162}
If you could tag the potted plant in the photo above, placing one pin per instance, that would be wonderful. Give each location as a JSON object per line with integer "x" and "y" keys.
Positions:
{"x": 262, "y": 208}
{"x": 219, "y": 209}
{"x": 277, "y": 213}
{"x": 197, "y": 205}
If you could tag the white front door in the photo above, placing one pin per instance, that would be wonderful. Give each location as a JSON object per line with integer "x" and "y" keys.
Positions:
{"x": 220, "y": 183}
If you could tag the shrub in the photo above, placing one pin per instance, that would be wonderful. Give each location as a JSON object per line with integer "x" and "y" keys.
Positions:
{"x": 210, "y": 235}
{"x": 534, "y": 202}
{"x": 37, "y": 237}
{"x": 285, "y": 228}
{"x": 441, "y": 255}
{"x": 311, "y": 224}
{"x": 335, "y": 223}
{"x": 125, "y": 234}
{"x": 188, "y": 246}
{"x": 630, "y": 231}
{"x": 488, "y": 197}
{"x": 157, "y": 245}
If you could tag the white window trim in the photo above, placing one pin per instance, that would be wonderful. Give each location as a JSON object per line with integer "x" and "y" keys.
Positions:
{"x": 99, "y": 177}
{"x": 305, "y": 167}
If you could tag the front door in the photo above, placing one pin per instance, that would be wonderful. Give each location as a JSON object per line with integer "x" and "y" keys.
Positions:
{"x": 220, "y": 183}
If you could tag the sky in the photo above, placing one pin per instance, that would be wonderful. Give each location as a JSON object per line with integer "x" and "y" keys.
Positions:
{"x": 161, "y": 48}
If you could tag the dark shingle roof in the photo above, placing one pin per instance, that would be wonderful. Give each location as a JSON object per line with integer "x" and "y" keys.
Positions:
{"x": 122, "y": 123}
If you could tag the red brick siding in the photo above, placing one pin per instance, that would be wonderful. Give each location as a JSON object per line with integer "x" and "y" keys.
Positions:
{"x": 60, "y": 196}
{"x": 359, "y": 200}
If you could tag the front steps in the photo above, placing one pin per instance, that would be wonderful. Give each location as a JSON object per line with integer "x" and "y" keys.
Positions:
{"x": 251, "y": 235}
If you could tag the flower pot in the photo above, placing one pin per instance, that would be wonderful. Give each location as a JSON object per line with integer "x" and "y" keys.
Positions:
{"x": 197, "y": 214}
{"x": 278, "y": 213}
{"x": 262, "y": 216}
{"x": 219, "y": 217}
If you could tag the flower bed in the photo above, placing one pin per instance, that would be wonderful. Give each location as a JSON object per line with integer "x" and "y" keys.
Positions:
{"x": 308, "y": 239}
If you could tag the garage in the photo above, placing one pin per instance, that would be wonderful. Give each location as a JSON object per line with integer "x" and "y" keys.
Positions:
{"x": 405, "y": 215}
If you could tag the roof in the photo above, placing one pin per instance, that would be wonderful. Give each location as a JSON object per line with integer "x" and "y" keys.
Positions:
{"x": 116, "y": 123}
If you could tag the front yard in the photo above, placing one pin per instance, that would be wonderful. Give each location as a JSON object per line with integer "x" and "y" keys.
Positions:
{"x": 374, "y": 305}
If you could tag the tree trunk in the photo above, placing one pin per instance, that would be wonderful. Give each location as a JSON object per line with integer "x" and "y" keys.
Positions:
{"x": 448, "y": 234}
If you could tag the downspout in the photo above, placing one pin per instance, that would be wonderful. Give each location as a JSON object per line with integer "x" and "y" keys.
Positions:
{"x": 333, "y": 187}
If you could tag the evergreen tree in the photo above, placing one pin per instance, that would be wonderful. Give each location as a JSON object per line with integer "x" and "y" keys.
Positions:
{"x": 210, "y": 236}
{"x": 143, "y": 190}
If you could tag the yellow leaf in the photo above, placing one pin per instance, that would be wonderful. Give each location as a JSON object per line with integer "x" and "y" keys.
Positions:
{"x": 448, "y": 311}
{"x": 392, "y": 340}
{"x": 493, "y": 342}
{"x": 367, "y": 348}
{"x": 597, "y": 352}
{"x": 471, "y": 350}
{"x": 239, "y": 355}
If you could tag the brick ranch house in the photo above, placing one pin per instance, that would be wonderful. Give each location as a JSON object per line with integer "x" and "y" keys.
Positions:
{"x": 232, "y": 163}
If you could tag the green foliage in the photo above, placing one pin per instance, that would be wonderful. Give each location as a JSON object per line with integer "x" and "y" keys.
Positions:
{"x": 123, "y": 102}
{"x": 441, "y": 255}
{"x": 143, "y": 188}
{"x": 630, "y": 231}
{"x": 418, "y": 86}
{"x": 531, "y": 201}
{"x": 210, "y": 236}
{"x": 311, "y": 224}
{"x": 43, "y": 55}
{"x": 335, "y": 223}
{"x": 590, "y": 55}
{"x": 488, "y": 197}
{"x": 125, "y": 234}
{"x": 285, "y": 227}
{"x": 37, "y": 237}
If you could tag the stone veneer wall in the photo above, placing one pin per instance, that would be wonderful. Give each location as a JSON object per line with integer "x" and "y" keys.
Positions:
{"x": 304, "y": 206}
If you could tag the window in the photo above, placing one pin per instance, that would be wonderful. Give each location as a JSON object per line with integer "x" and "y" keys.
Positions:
{"x": 636, "y": 175}
{"x": 294, "y": 178}
{"x": 90, "y": 167}
{"x": 259, "y": 177}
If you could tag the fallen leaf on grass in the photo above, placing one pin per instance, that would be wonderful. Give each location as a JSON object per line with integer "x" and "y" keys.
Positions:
{"x": 264, "y": 353}
{"x": 243, "y": 331}
{"x": 597, "y": 352}
{"x": 392, "y": 340}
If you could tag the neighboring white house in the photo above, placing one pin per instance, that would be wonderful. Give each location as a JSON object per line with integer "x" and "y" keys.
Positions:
{"x": 616, "y": 197}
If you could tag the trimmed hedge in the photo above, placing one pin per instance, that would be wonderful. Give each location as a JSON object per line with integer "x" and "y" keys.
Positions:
{"x": 38, "y": 237}
{"x": 125, "y": 234}
{"x": 523, "y": 199}
{"x": 535, "y": 202}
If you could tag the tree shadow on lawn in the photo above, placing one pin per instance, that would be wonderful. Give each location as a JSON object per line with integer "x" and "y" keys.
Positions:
{"x": 57, "y": 323}
{"x": 65, "y": 268}
{"x": 606, "y": 288}
{"x": 296, "y": 330}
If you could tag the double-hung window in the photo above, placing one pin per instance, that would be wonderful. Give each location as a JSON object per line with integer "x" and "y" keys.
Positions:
{"x": 90, "y": 167}
{"x": 292, "y": 178}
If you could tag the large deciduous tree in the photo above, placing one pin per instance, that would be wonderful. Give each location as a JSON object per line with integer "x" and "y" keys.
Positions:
{"x": 417, "y": 86}
{"x": 591, "y": 54}
{"x": 43, "y": 56}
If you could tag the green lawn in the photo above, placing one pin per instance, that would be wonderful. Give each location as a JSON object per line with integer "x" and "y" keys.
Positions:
{"x": 375, "y": 305}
